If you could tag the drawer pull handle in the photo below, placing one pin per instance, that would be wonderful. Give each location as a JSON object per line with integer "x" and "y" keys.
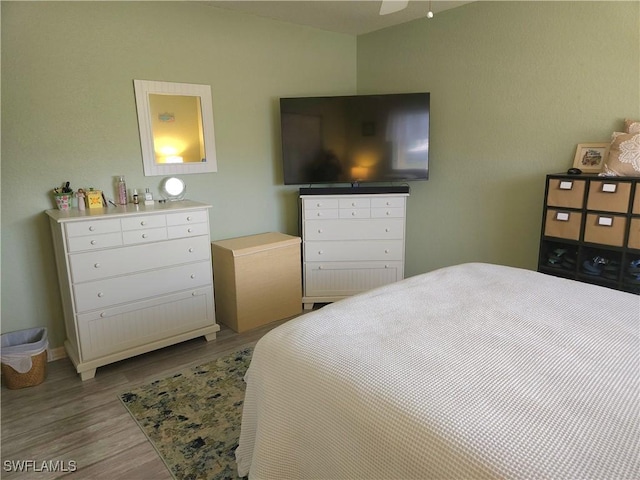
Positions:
{"x": 566, "y": 185}
{"x": 96, "y": 265}
{"x": 189, "y": 219}
{"x": 93, "y": 242}
{"x": 609, "y": 187}
{"x": 191, "y": 250}
{"x": 319, "y": 230}
{"x": 318, "y": 204}
{"x": 353, "y": 214}
{"x": 144, "y": 235}
{"x": 605, "y": 221}
{"x": 388, "y": 204}
{"x": 193, "y": 294}
{"x": 319, "y": 214}
{"x": 562, "y": 216}
{"x": 388, "y": 213}
{"x": 189, "y": 230}
{"x": 193, "y": 275}
{"x": 387, "y": 230}
{"x": 92, "y": 228}
{"x": 143, "y": 223}
{"x": 353, "y": 204}
{"x": 320, "y": 252}
{"x": 100, "y": 294}
{"x": 386, "y": 250}
{"x": 102, "y": 315}
{"x": 386, "y": 266}
{"x": 320, "y": 267}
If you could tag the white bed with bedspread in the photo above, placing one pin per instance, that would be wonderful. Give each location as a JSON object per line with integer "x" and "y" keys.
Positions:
{"x": 472, "y": 371}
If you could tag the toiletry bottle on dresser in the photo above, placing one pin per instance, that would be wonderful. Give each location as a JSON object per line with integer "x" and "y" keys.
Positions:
{"x": 148, "y": 197}
{"x": 122, "y": 191}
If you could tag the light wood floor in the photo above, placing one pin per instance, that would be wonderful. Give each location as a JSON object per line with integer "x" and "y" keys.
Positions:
{"x": 64, "y": 419}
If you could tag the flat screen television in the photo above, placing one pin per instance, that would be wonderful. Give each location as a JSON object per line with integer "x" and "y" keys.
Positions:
{"x": 355, "y": 139}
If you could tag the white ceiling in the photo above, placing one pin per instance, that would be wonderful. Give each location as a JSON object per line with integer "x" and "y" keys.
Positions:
{"x": 353, "y": 17}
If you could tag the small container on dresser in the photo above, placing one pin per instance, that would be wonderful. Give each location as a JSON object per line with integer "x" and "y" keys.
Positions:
{"x": 591, "y": 230}
{"x": 133, "y": 279}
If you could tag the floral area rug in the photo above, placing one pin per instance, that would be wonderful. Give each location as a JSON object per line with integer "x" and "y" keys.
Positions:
{"x": 193, "y": 417}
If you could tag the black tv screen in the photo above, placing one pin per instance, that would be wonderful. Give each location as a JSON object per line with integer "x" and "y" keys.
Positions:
{"x": 355, "y": 139}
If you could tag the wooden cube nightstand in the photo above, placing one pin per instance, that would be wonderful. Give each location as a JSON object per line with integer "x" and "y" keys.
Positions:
{"x": 257, "y": 279}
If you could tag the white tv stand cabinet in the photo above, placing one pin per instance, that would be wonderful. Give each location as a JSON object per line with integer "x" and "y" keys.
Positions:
{"x": 133, "y": 279}
{"x": 352, "y": 242}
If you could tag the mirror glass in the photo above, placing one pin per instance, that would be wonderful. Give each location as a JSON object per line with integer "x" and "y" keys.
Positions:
{"x": 176, "y": 127}
{"x": 173, "y": 188}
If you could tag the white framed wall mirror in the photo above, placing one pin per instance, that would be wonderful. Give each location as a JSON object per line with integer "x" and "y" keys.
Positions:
{"x": 176, "y": 127}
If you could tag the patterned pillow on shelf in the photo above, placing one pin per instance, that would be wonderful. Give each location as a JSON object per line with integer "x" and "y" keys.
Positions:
{"x": 624, "y": 153}
{"x": 632, "y": 126}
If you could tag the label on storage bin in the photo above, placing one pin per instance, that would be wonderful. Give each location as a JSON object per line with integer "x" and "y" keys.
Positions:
{"x": 562, "y": 216}
{"x": 605, "y": 221}
{"x": 566, "y": 185}
{"x": 609, "y": 187}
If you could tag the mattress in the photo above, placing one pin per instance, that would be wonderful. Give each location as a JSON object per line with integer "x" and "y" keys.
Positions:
{"x": 472, "y": 371}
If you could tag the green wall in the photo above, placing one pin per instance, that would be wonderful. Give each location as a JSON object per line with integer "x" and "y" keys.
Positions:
{"x": 515, "y": 86}
{"x": 68, "y": 114}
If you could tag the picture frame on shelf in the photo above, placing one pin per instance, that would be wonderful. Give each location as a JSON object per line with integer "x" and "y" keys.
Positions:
{"x": 591, "y": 157}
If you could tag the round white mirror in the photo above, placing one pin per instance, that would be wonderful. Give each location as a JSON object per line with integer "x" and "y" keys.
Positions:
{"x": 172, "y": 188}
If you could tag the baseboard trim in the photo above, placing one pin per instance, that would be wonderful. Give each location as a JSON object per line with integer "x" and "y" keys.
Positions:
{"x": 54, "y": 354}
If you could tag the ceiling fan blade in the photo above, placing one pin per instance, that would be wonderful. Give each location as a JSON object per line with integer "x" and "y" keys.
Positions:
{"x": 392, "y": 6}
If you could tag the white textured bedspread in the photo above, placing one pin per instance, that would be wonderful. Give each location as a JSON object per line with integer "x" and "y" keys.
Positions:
{"x": 472, "y": 371}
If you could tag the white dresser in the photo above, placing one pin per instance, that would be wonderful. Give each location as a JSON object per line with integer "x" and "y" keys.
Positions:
{"x": 351, "y": 243}
{"x": 133, "y": 279}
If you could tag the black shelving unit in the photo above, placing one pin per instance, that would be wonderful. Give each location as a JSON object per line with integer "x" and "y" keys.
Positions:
{"x": 591, "y": 230}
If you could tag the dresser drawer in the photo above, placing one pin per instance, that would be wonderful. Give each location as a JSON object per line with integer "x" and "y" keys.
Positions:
{"x": 133, "y": 237}
{"x": 390, "y": 212}
{"x": 94, "y": 242}
{"x": 605, "y": 229}
{"x": 354, "y": 202}
{"x": 111, "y": 330}
{"x": 567, "y": 193}
{"x": 321, "y": 213}
{"x": 92, "y": 227}
{"x": 349, "y": 278}
{"x": 609, "y": 196}
{"x": 562, "y": 224}
{"x": 118, "y": 290}
{"x": 180, "y": 231}
{"x": 387, "y": 202}
{"x": 316, "y": 203}
{"x": 377, "y": 229}
{"x": 186, "y": 218}
{"x": 91, "y": 266}
{"x": 143, "y": 222}
{"x": 355, "y": 213}
{"x": 354, "y": 250}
